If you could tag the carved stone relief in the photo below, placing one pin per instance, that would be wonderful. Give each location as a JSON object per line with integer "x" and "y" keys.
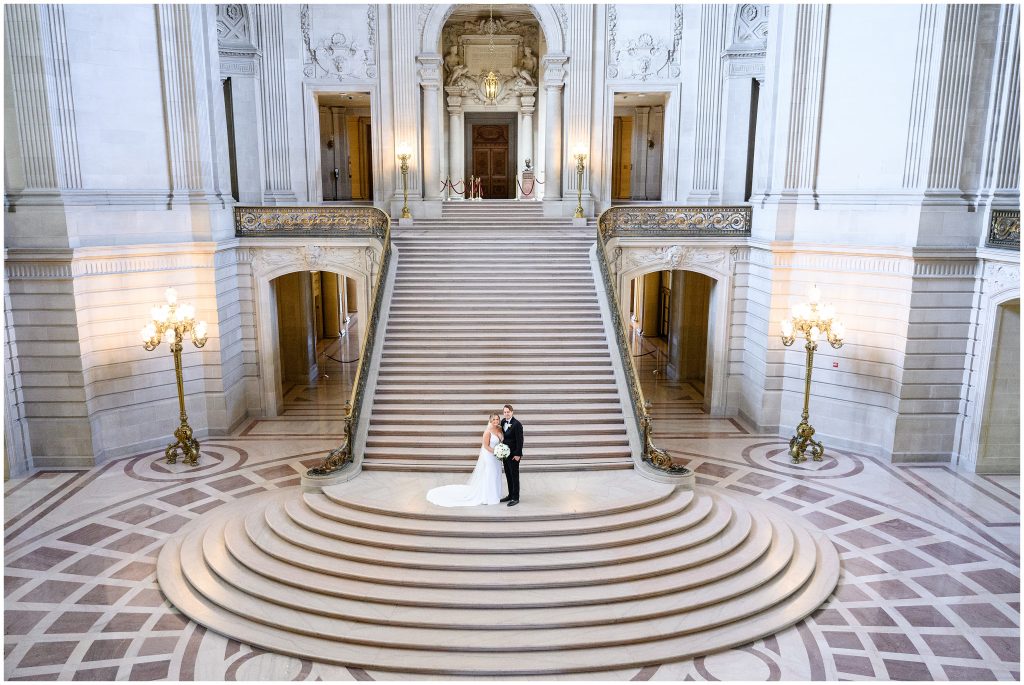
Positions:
{"x": 1001, "y": 276}
{"x": 644, "y": 57}
{"x": 676, "y": 256}
{"x": 233, "y": 26}
{"x": 515, "y": 44}
{"x": 338, "y": 54}
{"x": 308, "y": 257}
{"x": 751, "y": 25}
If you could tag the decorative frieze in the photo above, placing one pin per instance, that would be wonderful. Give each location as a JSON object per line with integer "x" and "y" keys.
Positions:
{"x": 999, "y": 276}
{"x": 336, "y": 222}
{"x": 679, "y": 256}
{"x": 308, "y": 257}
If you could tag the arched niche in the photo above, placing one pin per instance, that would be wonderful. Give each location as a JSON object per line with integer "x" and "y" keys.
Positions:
{"x": 436, "y": 16}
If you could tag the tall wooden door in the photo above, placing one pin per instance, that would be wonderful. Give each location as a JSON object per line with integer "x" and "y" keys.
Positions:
{"x": 491, "y": 159}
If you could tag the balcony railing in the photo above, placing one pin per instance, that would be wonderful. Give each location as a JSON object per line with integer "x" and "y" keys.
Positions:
{"x": 658, "y": 222}
{"x": 311, "y": 221}
{"x": 1004, "y": 229}
{"x": 674, "y": 222}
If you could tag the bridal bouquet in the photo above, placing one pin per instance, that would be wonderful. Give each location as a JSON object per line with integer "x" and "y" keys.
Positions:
{"x": 502, "y": 451}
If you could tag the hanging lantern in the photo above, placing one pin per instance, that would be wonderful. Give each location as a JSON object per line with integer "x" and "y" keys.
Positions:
{"x": 491, "y": 84}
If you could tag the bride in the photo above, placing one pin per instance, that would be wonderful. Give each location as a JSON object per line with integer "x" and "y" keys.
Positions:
{"x": 484, "y": 486}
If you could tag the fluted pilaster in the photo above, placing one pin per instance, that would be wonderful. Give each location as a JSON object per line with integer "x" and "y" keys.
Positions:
{"x": 707, "y": 152}
{"x": 577, "y": 96}
{"x": 277, "y": 175}
{"x": 405, "y": 90}
{"x": 804, "y": 126}
{"x": 42, "y": 97}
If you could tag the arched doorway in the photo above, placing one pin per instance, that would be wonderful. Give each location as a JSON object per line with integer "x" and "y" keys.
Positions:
{"x": 670, "y": 318}
{"x": 300, "y": 308}
{"x": 318, "y": 341}
{"x": 999, "y": 434}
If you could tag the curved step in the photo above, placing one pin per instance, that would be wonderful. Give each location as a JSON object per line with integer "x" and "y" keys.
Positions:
{"x": 364, "y": 626}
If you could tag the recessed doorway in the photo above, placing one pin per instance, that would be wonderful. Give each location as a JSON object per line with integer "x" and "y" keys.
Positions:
{"x": 346, "y": 158}
{"x": 638, "y": 135}
{"x": 490, "y": 142}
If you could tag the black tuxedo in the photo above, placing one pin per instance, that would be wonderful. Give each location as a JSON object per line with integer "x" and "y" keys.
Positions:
{"x": 514, "y": 439}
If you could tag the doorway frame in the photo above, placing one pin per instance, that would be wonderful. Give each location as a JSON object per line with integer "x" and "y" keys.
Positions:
{"x": 669, "y": 138}
{"x": 713, "y": 262}
{"x": 270, "y": 262}
{"x": 311, "y": 93}
{"x": 512, "y": 119}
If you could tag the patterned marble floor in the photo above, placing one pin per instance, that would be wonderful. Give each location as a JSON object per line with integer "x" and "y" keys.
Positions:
{"x": 930, "y": 588}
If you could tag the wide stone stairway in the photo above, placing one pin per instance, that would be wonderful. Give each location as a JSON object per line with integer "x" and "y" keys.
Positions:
{"x": 495, "y": 304}
{"x": 597, "y": 570}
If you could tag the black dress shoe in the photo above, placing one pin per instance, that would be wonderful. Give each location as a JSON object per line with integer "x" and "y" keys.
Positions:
{"x": 504, "y": 499}
{"x": 513, "y": 502}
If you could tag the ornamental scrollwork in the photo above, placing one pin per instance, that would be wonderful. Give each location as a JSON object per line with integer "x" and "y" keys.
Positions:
{"x": 310, "y": 221}
{"x": 674, "y": 221}
{"x": 1004, "y": 229}
{"x": 338, "y": 55}
{"x": 751, "y": 25}
{"x": 233, "y": 26}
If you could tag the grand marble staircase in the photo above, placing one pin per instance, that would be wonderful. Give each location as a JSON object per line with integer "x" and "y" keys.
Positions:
{"x": 597, "y": 570}
{"x": 495, "y": 304}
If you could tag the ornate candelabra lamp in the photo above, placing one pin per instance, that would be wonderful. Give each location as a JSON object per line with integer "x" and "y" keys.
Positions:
{"x": 809, "y": 321}
{"x": 581, "y": 157}
{"x": 404, "y": 153}
{"x": 171, "y": 322}
{"x": 491, "y": 83}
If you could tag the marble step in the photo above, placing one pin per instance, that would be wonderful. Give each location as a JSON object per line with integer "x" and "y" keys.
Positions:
{"x": 508, "y": 367}
{"x": 338, "y": 600}
{"x": 424, "y": 629}
{"x": 474, "y": 422}
{"x": 335, "y": 507}
{"x": 440, "y": 453}
{"x": 589, "y": 465}
{"x": 545, "y": 443}
{"x": 460, "y": 407}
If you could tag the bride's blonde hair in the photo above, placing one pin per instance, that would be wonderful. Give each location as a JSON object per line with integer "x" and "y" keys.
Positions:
{"x": 495, "y": 415}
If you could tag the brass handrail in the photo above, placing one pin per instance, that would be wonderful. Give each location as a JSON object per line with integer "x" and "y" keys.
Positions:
{"x": 341, "y": 455}
{"x": 657, "y": 221}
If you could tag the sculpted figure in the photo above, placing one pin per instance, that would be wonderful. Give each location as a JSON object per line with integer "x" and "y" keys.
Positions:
{"x": 527, "y": 65}
{"x": 454, "y": 65}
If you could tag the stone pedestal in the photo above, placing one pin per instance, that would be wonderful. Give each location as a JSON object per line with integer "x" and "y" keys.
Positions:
{"x": 528, "y": 189}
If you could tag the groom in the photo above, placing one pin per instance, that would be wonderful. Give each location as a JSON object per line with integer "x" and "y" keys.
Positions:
{"x": 514, "y": 439}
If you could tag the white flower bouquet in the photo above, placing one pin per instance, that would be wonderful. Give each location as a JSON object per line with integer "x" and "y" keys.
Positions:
{"x": 502, "y": 451}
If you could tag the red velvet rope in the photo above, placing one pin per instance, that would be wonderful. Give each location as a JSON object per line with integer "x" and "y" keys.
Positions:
{"x": 532, "y": 186}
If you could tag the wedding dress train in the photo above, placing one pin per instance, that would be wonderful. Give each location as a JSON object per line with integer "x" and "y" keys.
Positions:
{"x": 484, "y": 486}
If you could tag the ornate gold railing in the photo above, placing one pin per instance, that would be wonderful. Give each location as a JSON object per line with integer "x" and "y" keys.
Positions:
{"x": 673, "y": 222}
{"x": 1004, "y": 229}
{"x": 667, "y": 222}
{"x": 335, "y": 222}
{"x": 311, "y": 221}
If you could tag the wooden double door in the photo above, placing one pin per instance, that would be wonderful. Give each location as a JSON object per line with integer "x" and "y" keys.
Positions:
{"x": 491, "y": 147}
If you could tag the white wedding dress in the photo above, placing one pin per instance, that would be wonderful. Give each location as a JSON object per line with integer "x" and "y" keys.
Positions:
{"x": 484, "y": 486}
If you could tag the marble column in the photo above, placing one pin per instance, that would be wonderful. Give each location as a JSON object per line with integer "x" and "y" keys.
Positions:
{"x": 430, "y": 81}
{"x": 332, "y": 305}
{"x": 456, "y": 146}
{"x": 553, "y": 143}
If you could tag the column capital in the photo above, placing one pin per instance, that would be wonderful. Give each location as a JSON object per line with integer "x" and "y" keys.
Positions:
{"x": 454, "y": 105}
{"x": 554, "y": 70}
{"x": 430, "y": 70}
